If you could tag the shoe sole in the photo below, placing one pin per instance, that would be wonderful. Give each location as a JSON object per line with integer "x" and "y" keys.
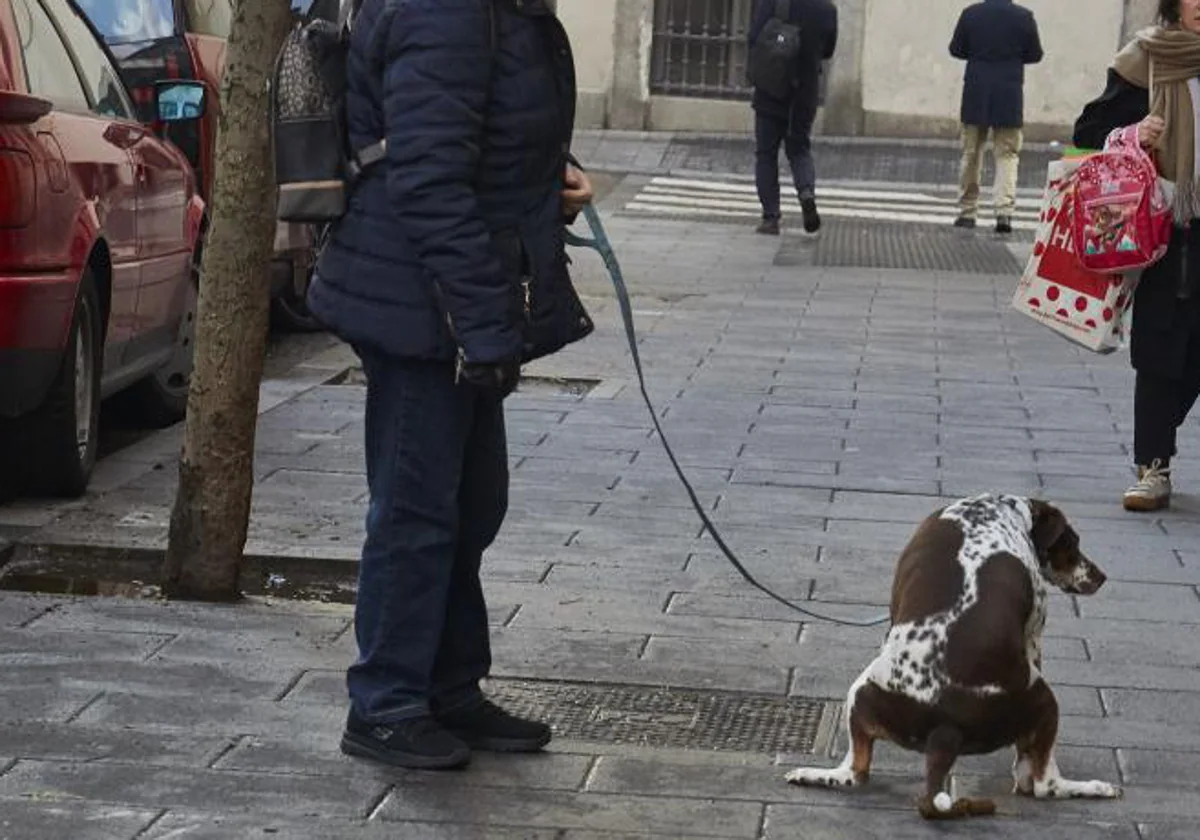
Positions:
{"x": 502, "y": 745}
{"x": 1139, "y": 505}
{"x": 360, "y": 748}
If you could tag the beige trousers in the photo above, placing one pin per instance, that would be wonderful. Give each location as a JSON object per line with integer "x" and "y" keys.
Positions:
{"x": 1006, "y": 146}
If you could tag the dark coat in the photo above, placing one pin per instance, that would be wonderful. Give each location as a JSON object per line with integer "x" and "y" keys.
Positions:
{"x": 996, "y": 38}
{"x": 454, "y": 242}
{"x": 818, "y": 22}
{"x": 1166, "y": 306}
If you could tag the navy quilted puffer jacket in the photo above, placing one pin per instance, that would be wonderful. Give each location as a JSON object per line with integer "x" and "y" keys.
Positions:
{"x": 454, "y": 242}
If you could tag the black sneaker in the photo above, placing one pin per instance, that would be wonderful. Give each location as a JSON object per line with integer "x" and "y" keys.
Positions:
{"x": 965, "y": 222}
{"x": 769, "y": 227}
{"x": 419, "y": 743}
{"x": 485, "y": 726}
{"x": 1003, "y": 224}
{"x": 812, "y": 219}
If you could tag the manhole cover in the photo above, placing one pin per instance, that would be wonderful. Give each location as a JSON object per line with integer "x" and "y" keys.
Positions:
{"x": 850, "y": 245}
{"x": 672, "y": 718}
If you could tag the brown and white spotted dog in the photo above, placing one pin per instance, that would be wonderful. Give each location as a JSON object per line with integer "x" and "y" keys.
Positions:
{"x": 960, "y": 670}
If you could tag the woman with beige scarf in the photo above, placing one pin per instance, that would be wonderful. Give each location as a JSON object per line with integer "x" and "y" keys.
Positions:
{"x": 1155, "y": 84}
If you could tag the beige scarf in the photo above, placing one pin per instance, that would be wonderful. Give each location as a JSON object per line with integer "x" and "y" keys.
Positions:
{"x": 1164, "y": 60}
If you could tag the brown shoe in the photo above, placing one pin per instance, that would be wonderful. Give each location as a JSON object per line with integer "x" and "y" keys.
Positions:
{"x": 769, "y": 227}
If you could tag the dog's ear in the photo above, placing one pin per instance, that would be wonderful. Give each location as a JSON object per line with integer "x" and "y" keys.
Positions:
{"x": 1049, "y": 524}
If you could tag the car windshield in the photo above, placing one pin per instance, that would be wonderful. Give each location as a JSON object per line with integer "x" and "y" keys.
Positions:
{"x": 130, "y": 21}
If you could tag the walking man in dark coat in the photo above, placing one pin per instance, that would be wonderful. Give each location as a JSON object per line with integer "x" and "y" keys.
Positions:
{"x": 789, "y": 121}
{"x": 996, "y": 38}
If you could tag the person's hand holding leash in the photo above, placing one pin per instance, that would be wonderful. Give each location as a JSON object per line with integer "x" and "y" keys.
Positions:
{"x": 577, "y": 191}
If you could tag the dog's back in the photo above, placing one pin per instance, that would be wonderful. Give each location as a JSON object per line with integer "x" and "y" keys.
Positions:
{"x": 966, "y": 600}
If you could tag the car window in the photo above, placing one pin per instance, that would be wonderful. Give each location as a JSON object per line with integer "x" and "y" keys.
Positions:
{"x": 48, "y": 65}
{"x": 129, "y": 21}
{"x": 107, "y": 96}
{"x": 208, "y": 17}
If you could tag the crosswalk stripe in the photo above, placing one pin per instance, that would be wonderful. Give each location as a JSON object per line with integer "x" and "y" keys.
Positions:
{"x": 829, "y": 193}
{"x": 827, "y": 211}
{"x": 694, "y": 197}
{"x": 658, "y": 196}
{"x": 685, "y": 184}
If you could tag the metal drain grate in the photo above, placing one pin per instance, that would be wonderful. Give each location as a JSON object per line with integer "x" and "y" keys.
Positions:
{"x": 670, "y": 718}
{"x": 542, "y": 385}
{"x": 915, "y": 247}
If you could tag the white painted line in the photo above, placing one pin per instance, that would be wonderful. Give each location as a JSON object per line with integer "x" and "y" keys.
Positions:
{"x": 830, "y": 211}
{"x": 677, "y": 200}
{"x": 822, "y": 191}
{"x": 941, "y": 211}
{"x": 824, "y": 194}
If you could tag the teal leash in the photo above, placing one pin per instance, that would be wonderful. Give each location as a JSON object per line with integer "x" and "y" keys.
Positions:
{"x": 601, "y": 244}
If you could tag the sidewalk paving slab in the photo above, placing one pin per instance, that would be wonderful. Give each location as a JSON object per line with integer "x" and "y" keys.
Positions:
{"x": 821, "y": 413}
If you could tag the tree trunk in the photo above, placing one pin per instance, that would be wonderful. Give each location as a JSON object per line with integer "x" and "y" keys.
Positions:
{"x": 216, "y": 476}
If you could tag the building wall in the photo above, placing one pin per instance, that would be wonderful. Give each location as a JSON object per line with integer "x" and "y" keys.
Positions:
{"x": 908, "y": 72}
{"x": 892, "y": 75}
{"x": 591, "y": 24}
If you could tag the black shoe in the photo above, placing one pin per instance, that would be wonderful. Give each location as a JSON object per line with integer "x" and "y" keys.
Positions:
{"x": 812, "y": 219}
{"x": 965, "y": 222}
{"x": 419, "y": 743}
{"x": 1003, "y": 224}
{"x": 485, "y": 726}
{"x": 769, "y": 227}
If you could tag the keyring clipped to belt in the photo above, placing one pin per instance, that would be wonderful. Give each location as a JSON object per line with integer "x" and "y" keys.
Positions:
{"x": 601, "y": 245}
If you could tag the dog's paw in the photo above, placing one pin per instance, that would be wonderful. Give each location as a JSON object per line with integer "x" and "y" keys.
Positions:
{"x": 1101, "y": 790}
{"x": 822, "y": 777}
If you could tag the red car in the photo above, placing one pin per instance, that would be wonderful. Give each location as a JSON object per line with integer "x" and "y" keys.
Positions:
{"x": 153, "y": 40}
{"x": 99, "y": 229}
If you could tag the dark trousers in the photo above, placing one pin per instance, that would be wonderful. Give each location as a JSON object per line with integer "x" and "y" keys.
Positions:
{"x": 1160, "y": 405}
{"x": 794, "y": 134}
{"x": 437, "y": 469}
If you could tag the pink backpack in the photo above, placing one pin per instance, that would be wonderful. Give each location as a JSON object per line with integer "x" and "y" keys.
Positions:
{"x": 1121, "y": 216}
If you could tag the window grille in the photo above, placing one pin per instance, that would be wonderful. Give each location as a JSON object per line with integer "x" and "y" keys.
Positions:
{"x": 699, "y": 48}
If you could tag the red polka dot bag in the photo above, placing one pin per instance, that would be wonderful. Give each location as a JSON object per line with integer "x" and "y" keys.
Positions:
{"x": 1087, "y": 307}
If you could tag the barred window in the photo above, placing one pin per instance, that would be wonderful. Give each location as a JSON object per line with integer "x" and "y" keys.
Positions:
{"x": 699, "y": 48}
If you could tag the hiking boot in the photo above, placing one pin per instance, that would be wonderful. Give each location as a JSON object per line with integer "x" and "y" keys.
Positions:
{"x": 965, "y": 222}
{"x": 1004, "y": 224}
{"x": 769, "y": 227}
{"x": 812, "y": 219}
{"x": 419, "y": 743}
{"x": 485, "y": 726}
{"x": 1152, "y": 491}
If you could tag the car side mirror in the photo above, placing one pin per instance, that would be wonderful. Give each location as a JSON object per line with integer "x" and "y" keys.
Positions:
{"x": 178, "y": 101}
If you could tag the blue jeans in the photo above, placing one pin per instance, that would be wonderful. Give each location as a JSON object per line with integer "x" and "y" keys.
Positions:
{"x": 437, "y": 468}
{"x": 770, "y": 132}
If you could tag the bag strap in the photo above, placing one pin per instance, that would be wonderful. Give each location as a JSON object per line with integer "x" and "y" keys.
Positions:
{"x": 367, "y": 157}
{"x": 347, "y": 12}
{"x": 783, "y": 9}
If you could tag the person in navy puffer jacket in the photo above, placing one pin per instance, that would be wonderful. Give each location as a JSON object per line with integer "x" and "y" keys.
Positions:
{"x": 447, "y": 272}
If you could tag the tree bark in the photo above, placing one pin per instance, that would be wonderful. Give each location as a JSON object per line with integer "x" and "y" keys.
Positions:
{"x": 212, "y": 506}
